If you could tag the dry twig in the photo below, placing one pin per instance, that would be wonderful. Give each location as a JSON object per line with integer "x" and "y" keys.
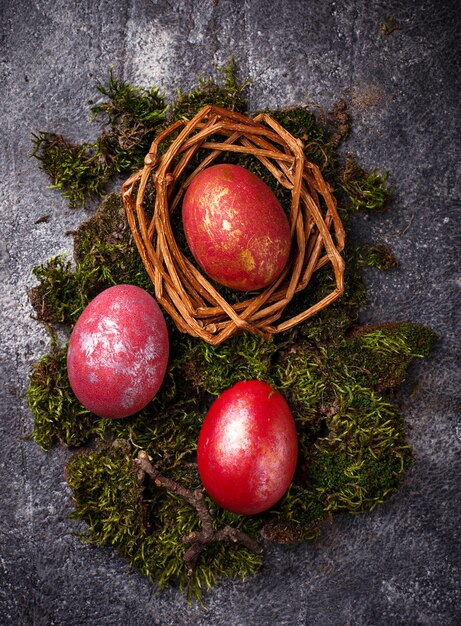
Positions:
{"x": 196, "y": 540}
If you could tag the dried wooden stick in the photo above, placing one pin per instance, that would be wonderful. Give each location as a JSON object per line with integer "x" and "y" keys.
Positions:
{"x": 197, "y": 540}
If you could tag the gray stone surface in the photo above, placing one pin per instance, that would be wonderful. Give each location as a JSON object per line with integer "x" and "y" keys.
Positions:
{"x": 399, "y": 564}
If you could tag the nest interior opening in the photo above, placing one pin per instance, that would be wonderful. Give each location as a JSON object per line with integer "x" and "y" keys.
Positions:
{"x": 178, "y": 154}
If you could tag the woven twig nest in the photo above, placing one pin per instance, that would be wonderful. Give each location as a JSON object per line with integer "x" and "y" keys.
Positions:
{"x": 194, "y": 303}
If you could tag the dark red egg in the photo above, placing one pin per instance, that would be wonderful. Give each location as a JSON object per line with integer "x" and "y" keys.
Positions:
{"x": 118, "y": 352}
{"x": 235, "y": 227}
{"x": 247, "y": 448}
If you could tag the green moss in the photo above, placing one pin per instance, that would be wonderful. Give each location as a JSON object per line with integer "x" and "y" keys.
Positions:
{"x": 56, "y": 296}
{"x": 215, "y": 368}
{"x": 107, "y": 495}
{"x": 297, "y": 517}
{"x": 104, "y": 247}
{"x": 332, "y": 323}
{"x": 362, "y": 458}
{"x": 132, "y": 116}
{"x": 365, "y": 191}
{"x": 167, "y": 428}
{"x": 228, "y": 91}
{"x": 57, "y": 413}
{"x": 352, "y": 449}
{"x": 381, "y": 355}
{"x": 74, "y": 169}
{"x": 379, "y": 256}
{"x": 336, "y": 376}
{"x": 176, "y": 519}
{"x": 147, "y": 525}
{"x": 129, "y": 107}
{"x": 389, "y": 26}
{"x": 344, "y": 483}
{"x": 305, "y": 125}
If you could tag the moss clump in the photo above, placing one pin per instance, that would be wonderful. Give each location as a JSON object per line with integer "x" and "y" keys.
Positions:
{"x": 381, "y": 354}
{"x": 228, "y": 92}
{"x": 362, "y": 458}
{"x": 337, "y": 377}
{"x": 379, "y": 256}
{"x": 105, "y": 249}
{"x": 215, "y": 368}
{"x": 108, "y": 496}
{"x": 298, "y": 517}
{"x": 56, "y": 297}
{"x": 217, "y": 559}
{"x": 104, "y": 254}
{"x": 351, "y": 438}
{"x": 74, "y": 169}
{"x": 57, "y": 413}
{"x": 365, "y": 191}
{"x": 132, "y": 116}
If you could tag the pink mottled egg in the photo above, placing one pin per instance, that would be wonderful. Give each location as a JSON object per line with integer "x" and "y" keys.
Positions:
{"x": 247, "y": 448}
{"x": 118, "y": 352}
{"x": 235, "y": 227}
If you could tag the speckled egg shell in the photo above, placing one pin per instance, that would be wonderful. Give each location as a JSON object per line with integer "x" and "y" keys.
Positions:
{"x": 118, "y": 352}
{"x": 235, "y": 227}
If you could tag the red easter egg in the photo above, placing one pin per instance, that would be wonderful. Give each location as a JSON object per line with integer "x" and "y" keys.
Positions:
{"x": 235, "y": 227}
{"x": 247, "y": 448}
{"x": 118, "y": 352}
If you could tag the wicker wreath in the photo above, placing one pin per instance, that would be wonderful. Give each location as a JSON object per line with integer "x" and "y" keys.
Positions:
{"x": 317, "y": 234}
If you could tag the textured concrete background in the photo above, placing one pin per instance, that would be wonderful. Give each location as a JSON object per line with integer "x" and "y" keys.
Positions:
{"x": 399, "y": 564}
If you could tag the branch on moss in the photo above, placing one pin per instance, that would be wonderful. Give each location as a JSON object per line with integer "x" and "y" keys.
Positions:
{"x": 197, "y": 540}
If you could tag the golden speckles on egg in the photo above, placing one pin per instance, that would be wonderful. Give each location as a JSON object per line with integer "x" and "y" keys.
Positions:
{"x": 247, "y": 259}
{"x": 239, "y": 223}
{"x": 216, "y": 198}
